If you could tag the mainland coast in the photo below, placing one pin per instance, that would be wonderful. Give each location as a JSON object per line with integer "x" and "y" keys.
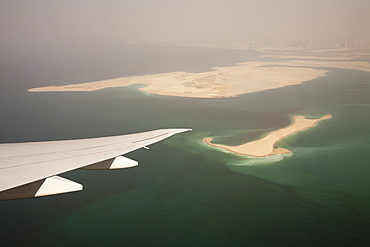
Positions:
{"x": 266, "y": 145}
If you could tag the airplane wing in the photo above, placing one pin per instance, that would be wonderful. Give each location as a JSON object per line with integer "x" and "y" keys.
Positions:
{"x": 30, "y": 169}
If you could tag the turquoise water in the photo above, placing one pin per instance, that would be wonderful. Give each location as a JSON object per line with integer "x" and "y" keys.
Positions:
{"x": 184, "y": 193}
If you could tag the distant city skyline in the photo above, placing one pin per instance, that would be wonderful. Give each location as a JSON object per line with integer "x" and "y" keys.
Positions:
{"x": 248, "y": 43}
{"x": 76, "y": 23}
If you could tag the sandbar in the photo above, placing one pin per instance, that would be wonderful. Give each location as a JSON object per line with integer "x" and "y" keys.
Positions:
{"x": 266, "y": 145}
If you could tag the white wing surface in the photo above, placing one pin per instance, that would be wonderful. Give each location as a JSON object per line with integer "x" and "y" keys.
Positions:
{"x": 30, "y": 169}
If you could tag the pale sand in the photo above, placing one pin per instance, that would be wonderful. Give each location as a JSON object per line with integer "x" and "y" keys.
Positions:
{"x": 221, "y": 81}
{"x": 265, "y": 146}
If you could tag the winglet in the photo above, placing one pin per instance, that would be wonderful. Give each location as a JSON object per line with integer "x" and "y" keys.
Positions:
{"x": 176, "y": 131}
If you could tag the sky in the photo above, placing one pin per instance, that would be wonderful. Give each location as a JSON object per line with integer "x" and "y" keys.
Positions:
{"x": 63, "y": 22}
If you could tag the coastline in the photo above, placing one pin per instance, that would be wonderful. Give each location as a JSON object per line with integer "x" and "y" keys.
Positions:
{"x": 265, "y": 146}
{"x": 224, "y": 82}
{"x": 221, "y": 82}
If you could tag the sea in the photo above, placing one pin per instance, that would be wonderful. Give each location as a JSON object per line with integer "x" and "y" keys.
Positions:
{"x": 185, "y": 193}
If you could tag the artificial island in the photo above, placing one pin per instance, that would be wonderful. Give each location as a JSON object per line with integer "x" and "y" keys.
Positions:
{"x": 222, "y": 82}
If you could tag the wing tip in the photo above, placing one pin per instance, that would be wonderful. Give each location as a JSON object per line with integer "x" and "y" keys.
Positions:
{"x": 176, "y": 131}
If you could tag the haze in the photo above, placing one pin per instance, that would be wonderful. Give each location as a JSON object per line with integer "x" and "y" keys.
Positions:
{"x": 41, "y": 22}
{"x": 39, "y": 36}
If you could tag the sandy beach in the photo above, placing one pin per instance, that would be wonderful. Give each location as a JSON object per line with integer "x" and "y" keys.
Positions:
{"x": 266, "y": 145}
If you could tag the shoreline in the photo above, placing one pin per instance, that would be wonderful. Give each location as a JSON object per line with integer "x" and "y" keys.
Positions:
{"x": 266, "y": 146}
{"x": 231, "y": 81}
{"x": 220, "y": 82}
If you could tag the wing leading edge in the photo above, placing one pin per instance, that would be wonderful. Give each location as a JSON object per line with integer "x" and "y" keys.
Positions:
{"x": 30, "y": 169}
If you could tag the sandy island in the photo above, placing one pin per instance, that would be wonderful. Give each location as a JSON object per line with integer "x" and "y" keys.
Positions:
{"x": 221, "y": 82}
{"x": 218, "y": 83}
{"x": 265, "y": 146}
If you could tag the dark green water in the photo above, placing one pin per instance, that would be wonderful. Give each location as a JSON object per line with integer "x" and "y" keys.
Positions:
{"x": 184, "y": 193}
